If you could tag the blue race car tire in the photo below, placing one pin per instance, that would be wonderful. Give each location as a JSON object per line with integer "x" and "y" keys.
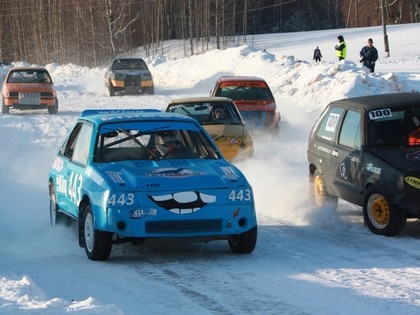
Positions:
{"x": 56, "y": 217}
{"x": 97, "y": 243}
{"x": 244, "y": 243}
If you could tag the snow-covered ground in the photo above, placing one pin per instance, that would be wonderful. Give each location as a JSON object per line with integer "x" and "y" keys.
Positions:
{"x": 304, "y": 263}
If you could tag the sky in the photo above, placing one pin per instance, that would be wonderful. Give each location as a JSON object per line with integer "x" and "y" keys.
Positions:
{"x": 305, "y": 262}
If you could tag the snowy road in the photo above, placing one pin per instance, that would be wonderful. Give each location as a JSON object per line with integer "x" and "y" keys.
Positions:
{"x": 303, "y": 260}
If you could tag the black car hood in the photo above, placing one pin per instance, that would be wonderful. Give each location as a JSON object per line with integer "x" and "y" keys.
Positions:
{"x": 405, "y": 160}
{"x": 132, "y": 72}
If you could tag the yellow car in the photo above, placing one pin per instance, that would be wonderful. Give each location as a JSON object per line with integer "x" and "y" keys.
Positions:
{"x": 222, "y": 121}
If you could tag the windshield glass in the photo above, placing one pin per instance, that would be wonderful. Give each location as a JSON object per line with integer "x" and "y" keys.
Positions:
{"x": 147, "y": 141}
{"x": 388, "y": 127}
{"x": 129, "y": 64}
{"x": 245, "y": 92}
{"x": 209, "y": 112}
{"x": 29, "y": 76}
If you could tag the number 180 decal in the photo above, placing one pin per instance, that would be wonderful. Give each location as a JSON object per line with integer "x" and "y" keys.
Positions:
{"x": 240, "y": 195}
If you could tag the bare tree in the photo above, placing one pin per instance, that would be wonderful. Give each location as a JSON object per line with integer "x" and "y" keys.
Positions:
{"x": 245, "y": 20}
{"x": 117, "y": 20}
{"x": 90, "y": 32}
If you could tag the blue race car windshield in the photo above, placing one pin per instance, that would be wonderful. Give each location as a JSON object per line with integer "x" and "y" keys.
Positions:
{"x": 152, "y": 141}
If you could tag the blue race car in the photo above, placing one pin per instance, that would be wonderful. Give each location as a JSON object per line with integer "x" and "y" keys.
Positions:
{"x": 139, "y": 175}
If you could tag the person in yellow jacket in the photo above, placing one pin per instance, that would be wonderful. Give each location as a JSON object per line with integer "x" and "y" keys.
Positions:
{"x": 341, "y": 48}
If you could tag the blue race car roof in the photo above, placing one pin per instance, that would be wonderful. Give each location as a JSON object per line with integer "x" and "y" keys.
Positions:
{"x": 99, "y": 116}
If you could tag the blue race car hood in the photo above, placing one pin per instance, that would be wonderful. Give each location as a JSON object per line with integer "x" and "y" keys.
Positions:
{"x": 140, "y": 175}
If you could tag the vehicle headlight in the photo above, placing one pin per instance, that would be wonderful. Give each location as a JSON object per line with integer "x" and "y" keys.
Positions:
{"x": 119, "y": 77}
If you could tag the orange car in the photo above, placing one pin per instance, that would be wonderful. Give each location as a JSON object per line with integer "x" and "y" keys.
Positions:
{"x": 29, "y": 88}
{"x": 253, "y": 98}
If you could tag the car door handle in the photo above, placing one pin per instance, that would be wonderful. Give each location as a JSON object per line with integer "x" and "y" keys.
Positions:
{"x": 334, "y": 153}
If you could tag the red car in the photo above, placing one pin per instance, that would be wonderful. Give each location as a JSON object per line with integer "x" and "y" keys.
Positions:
{"x": 29, "y": 88}
{"x": 254, "y": 99}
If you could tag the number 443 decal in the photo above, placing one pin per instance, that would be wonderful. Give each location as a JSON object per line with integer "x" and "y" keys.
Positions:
{"x": 240, "y": 195}
{"x": 121, "y": 199}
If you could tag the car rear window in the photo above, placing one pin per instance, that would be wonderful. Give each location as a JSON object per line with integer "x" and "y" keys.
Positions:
{"x": 245, "y": 92}
{"x": 127, "y": 64}
{"x": 29, "y": 76}
{"x": 202, "y": 111}
{"x": 390, "y": 127}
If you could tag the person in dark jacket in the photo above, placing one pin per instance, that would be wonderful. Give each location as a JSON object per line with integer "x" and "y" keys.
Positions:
{"x": 341, "y": 48}
{"x": 369, "y": 55}
{"x": 317, "y": 54}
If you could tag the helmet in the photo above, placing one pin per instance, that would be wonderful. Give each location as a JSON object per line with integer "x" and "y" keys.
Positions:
{"x": 218, "y": 112}
{"x": 167, "y": 141}
{"x": 41, "y": 77}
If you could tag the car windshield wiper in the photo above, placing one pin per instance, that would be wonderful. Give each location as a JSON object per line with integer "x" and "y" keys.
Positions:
{"x": 128, "y": 134}
{"x": 183, "y": 108}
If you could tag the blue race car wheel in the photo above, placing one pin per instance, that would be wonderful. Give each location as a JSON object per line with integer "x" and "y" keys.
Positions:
{"x": 56, "y": 217}
{"x": 244, "y": 243}
{"x": 97, "y": 243}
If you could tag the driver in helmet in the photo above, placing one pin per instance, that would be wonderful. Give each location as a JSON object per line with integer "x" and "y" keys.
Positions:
{"x": 167, "y": 141}
{"x": 218, "y": 113}
{"x": 41, "y": 77}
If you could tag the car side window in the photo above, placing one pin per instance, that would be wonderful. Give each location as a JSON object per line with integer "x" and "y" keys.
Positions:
{"x": 82, "y": 146}
{"x": 78, "y": 145}
{"x": 350, "y": 130}
{"x": 329, "y": 124}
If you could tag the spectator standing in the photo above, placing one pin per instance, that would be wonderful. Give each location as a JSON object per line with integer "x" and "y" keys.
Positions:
{"x": 369, "y": 55}
{"x": 341, "y": 48}
{"x": 317, "y": 54}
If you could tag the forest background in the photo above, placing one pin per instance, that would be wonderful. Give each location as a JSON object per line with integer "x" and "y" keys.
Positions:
{"x": 91, "y": 32}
